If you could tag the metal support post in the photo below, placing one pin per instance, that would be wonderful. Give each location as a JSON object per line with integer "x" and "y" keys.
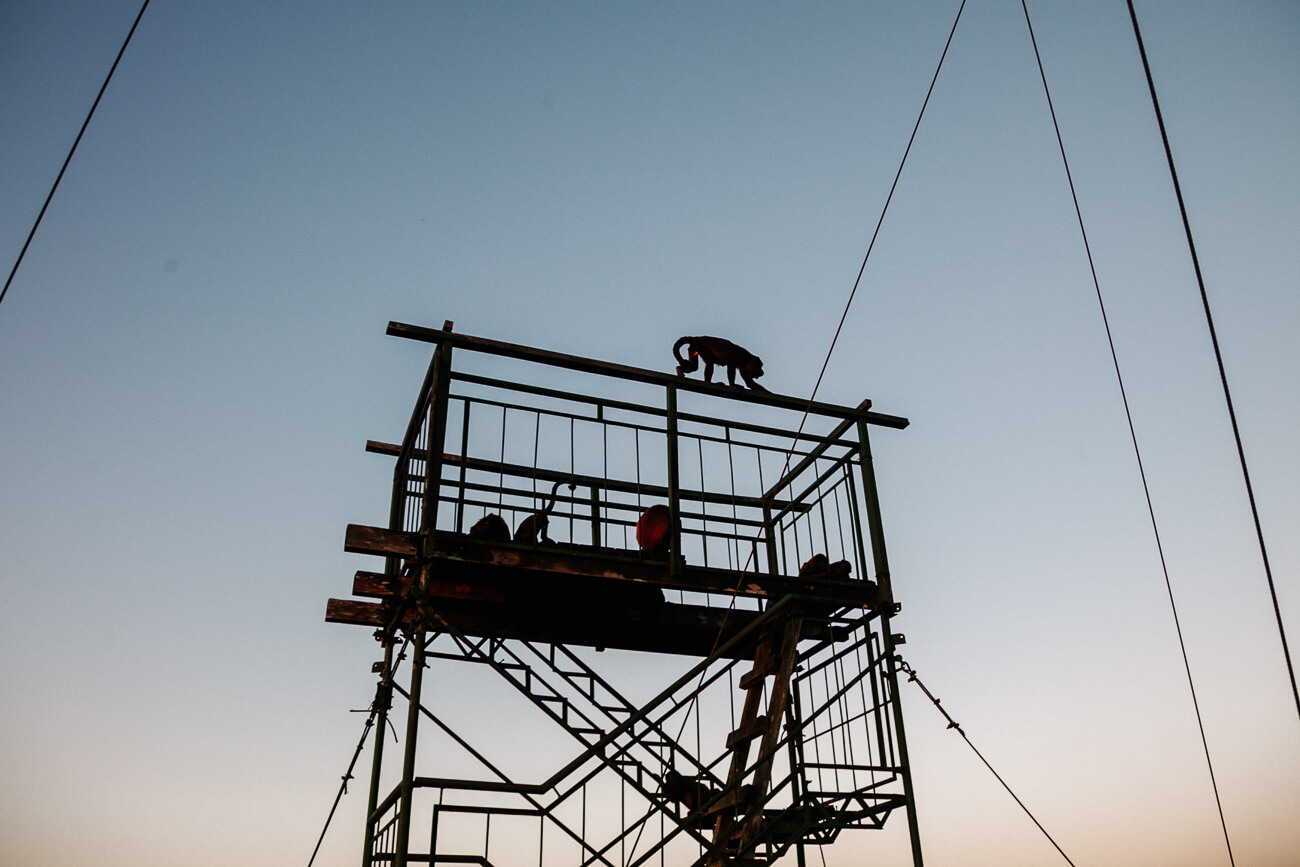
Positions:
{"x": 674, "y": 502}
{"x": 383, "y": 701}
{"x": 876, "y": 527}
{"x": 408, "y": 756}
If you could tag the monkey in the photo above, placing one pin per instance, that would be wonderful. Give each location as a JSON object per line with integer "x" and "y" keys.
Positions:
{"x": 490, "y": 528}
{"x": 715, "y": 350}
{"x": 652, "y": 530}
{"x": 819, "y": 566}
{"x": 691, "y": 792}
{"x": 533, "y": 528}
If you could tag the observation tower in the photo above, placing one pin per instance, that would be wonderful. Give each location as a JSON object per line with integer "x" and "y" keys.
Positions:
{"x": 778, "y": 728}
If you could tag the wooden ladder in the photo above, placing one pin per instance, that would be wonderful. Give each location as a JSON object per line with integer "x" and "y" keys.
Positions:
{"x": 740, "y": 811}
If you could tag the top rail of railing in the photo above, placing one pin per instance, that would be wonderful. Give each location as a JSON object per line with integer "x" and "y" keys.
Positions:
{"x": 862, "y": 412}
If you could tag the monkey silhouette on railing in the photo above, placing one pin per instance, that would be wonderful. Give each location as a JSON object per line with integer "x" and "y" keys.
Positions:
{"x": 533, "y": 528}
{"x": 723, "y": 353}
{"x": 490, "y": 528}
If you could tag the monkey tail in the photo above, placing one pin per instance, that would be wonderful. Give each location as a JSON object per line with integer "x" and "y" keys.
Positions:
{"x": 687, "y": 364}
{"x": 555, "y": 489}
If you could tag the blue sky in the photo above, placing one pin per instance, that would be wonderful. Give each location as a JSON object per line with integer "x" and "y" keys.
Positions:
{"x": 192, "y": 357}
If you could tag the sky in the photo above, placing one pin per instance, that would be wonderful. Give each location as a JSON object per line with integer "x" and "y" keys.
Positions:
{"x": 192, "y": 357}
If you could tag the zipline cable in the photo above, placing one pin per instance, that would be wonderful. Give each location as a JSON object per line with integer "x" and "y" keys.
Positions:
{"x": 72, "y": 150}
{"x": 343, "y": 789}
{"x": 835, "y": 339}
{"x": 952, "y": 724}
{"x": 1218, "y": 357}
{"x": 1137, "y": 451}
{"x": 849, "y": 303}
{"x": 381, "y": 703}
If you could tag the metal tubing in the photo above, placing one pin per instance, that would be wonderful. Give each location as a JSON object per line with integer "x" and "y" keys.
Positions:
{"x": 874, "y": 523}
{"x": 408, "y": 756}
{"x": 440, "y": 388}
{"x": 383, "y": 701}
{"x": 674, "y": 504}
{"x": 638, "y": 374}
{"x": 904, "y": 764}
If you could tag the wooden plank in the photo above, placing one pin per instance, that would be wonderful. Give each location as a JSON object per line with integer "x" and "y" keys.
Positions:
{"x": 375, "y": 447}
{"x": 374, "y": 585}
{"x": 355, "y": 613}
{"x": 737, "y": 797}
{"x": 572, "y": 560}
{"x": 363, "y": 539}
{"x": 747, "y": 731}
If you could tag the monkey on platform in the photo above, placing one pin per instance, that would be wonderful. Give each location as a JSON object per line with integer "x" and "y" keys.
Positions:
{"x": 691, "y": 792}
{"x": 724, "y": 353}
{"x": 819, "y": 566}
{"x": 533, "y": 528}
{"x": 490, "y": 528}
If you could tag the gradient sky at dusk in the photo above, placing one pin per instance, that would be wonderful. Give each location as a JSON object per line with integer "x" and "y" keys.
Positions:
{"x": 192, "y": 357}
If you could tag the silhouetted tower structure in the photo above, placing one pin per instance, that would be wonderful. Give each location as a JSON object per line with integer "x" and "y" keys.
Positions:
{"x": 777, "y": 726}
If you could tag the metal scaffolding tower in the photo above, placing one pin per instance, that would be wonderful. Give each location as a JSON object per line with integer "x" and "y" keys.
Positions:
{"x": 777, "y": 727}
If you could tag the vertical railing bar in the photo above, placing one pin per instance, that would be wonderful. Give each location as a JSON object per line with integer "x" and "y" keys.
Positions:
{"x": 674, "y": 502}
{"x": 464, "y": 453}
{"x": 854, "y": 510}
{"x": 839, "y": 514}
{"x": 733, "y": 544}
{"x": 704, "y": 507}
{"x": 501, "y": 472}
{"x": 573, "y": 472}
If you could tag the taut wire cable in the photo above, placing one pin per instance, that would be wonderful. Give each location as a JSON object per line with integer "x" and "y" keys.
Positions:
{"x": 857, "y": 282}
{"x": 383, "y": 695}
{"x": 952, "y": 724}
{"x": 40, "y": 216}
{"x": 1218, "y": 357}
{"x": 1137, "y": 451}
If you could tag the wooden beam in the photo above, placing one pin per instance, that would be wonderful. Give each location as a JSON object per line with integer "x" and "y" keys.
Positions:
{"x": 374, "y": 585}
{"x": 692, "y": 630}
{"x": 363, "y": 539}
{"x": 375, "y": 447}
{"x": 356, "y": 613}
{"x": 460, "y": 552}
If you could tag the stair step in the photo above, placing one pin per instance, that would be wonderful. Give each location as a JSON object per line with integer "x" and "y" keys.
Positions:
{"x": 747, "y": 732}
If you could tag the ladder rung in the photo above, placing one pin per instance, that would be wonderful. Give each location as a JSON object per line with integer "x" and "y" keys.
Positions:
{"x": 747, "y": 732}
{"x": 754, "y": 677}
{"x": 731, "y": 800}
